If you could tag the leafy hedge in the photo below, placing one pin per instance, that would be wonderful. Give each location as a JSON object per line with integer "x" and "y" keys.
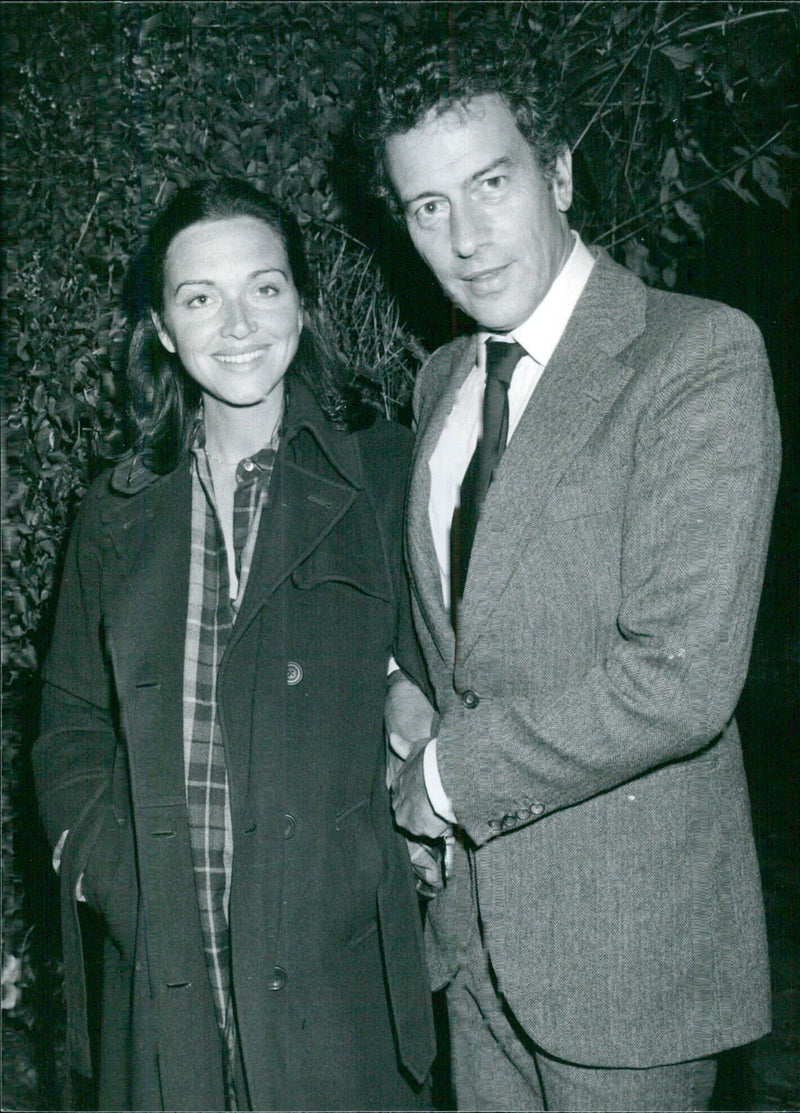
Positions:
{"x": 110, "y": 107}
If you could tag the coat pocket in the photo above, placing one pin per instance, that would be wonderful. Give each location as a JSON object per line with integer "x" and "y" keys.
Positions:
{"x": 596, "y": 495}
{"x": 109, "y": 880}
{"x": 362, "y": 865}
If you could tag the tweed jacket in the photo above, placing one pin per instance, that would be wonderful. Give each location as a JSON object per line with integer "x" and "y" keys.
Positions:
{"x": 588, "y": 740}
{"x": 328, "y": 971}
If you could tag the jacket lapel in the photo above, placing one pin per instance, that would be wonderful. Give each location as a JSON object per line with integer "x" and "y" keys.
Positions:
{"x": 576, "y": 391}
{"x": 426, "y": 581}
{"x": 316, "y": 480}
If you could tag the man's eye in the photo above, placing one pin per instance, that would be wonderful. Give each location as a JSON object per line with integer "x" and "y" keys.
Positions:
{"x": 429, "y": 212}
{"x": 494, "y": 183}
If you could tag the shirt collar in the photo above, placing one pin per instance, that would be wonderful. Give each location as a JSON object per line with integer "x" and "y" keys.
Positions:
{"x": 540, "y": 334}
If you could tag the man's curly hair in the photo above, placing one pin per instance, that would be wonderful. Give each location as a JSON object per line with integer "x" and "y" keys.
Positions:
{"x": 417, "y": 79}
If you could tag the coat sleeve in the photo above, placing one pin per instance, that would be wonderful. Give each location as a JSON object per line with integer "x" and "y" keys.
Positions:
{"x": 387, "y": 458}
{"x": 694, "y": 538}
{"x": 73, "y": 755}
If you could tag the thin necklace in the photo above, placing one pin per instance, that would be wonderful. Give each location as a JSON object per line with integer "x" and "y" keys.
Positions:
{"x": 219, "y": 459}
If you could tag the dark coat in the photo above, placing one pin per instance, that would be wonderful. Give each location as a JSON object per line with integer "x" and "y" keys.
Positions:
{"x": 328, "y": 972}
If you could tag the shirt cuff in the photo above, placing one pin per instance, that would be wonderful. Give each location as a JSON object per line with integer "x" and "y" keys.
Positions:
{"x": 393, "y": 667}
{"x": 440, "y": 801}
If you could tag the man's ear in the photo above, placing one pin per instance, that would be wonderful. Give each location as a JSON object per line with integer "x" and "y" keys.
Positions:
{"x": 562, "y": 180}
{"x": 163, "y": 335}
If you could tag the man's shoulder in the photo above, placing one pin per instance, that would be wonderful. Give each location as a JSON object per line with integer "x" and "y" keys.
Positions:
{"x": 665, "y": 316}
{"x": 661, "y": 302}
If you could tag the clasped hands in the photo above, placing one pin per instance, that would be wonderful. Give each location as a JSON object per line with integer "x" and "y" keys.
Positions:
{"x": 410, "y": 719}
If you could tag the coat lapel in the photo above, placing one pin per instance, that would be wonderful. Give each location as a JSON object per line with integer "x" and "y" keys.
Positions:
{"x": 426, "y": 580}
{"x": 316, "y": 480}
{"x": 576, "y": 391}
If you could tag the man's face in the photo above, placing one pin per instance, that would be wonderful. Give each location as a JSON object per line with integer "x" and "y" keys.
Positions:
{"x": 480, "y": 212}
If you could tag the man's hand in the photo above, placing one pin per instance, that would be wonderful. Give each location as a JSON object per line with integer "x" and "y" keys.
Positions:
{"x": 408, "y": 716}
{"x": 426, "y": 861}
{"x": 412, "y": 808}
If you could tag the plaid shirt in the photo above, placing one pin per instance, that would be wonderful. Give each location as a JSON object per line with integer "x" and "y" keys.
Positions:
{"x": 210, "y": 618}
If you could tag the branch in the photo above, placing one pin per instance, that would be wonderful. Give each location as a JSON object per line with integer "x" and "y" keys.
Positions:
{"x": 726, "y": 23}
{"x": 640, "y": 217}
{"x": 612, "y": 87}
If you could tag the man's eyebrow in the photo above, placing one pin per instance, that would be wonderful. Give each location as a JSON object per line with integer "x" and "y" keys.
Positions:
{"x": 498, "y": 164}
{"x": 253, "y": 274}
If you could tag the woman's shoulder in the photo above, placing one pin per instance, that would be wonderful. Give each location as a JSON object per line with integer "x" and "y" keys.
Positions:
{"x": 385, "y": 444}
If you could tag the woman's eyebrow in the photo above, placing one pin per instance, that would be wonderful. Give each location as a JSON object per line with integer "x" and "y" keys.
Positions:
{"x": 209, "y": 282}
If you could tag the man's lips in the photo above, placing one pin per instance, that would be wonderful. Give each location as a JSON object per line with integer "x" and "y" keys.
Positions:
{"x": 486, "y": 278}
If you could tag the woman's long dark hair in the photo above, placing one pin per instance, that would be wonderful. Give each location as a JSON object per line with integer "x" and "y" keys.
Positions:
{"x": 163, "y": 401}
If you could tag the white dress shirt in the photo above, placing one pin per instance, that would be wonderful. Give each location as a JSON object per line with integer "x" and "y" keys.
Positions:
{"x": 539, "y": 336}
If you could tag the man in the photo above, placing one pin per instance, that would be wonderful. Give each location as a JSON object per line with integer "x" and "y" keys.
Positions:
{"x": 601, "y": 933}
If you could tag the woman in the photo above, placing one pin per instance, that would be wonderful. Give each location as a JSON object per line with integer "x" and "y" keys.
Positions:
{"x": 210, "y": 766}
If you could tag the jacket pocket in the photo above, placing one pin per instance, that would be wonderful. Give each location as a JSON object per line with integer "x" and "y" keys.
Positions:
{"x": 109, "y": 879}
{"x": 596, "y": 495}
{"x": 362, "y": 865}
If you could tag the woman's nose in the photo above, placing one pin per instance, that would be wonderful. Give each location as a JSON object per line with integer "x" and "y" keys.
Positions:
{"x": 238, "y": 319}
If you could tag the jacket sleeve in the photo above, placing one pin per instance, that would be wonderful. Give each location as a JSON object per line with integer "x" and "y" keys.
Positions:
{"x": 695, "y": 530}
{"x": 73, "y": 755}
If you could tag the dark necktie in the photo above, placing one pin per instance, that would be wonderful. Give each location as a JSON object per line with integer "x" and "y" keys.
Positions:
{"x": 501, "y": 359}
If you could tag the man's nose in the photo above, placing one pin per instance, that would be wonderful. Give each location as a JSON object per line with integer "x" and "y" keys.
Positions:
{"x": 238, "y": 319}
{"x": 464, "y": 230}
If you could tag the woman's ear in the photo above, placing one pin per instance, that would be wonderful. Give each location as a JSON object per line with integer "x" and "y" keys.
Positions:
{"x": 163, "y": 335}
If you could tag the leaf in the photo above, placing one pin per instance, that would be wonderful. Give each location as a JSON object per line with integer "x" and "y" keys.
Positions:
{"x": 765, "y": 174}
{"x": 681, "y": 56}
{"x": 690, "y": 216}
{"x": 670, "y": 167}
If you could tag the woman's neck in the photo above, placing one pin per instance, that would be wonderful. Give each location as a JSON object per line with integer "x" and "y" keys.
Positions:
{"x": 234, "y": 432}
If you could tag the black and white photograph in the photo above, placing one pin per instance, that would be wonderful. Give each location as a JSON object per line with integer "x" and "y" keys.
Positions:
{"x": 401, "y": 624}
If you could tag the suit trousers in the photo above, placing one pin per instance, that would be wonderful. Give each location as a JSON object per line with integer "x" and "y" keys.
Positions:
{"x": 496, "y": 1066}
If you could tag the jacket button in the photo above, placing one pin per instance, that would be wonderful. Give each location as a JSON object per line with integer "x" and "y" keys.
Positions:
{"x": 278, "y": 979}
{"x": 289, "y": 826}
{"x": 509, "y": 821}
{"x": 496, "y": 825}
{"x": 470, "y": 699}
{"x": 523, "y": 814}
{"x": 294, "y": 673}
{"x": 537, "y": 808}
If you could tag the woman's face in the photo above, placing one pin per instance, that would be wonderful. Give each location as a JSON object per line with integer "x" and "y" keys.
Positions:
{"x": 231, "y": 311}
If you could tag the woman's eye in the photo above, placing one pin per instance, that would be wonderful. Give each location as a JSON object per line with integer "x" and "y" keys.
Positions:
{"x": 268, "y": 290}
{"x": 197, "y": 301}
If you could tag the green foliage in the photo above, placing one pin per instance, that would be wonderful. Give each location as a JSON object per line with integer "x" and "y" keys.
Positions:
{"x": 110, "y": 107}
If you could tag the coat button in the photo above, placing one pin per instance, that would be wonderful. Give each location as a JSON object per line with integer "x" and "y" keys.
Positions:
{"x": 509, "y": 821}
{"x": 278, "y": 979}
{"x": 294, "y": 673}
{"x": 289, "y": 826}
{"x": 496, "y": 825}
{"x": 537, "y": 808}
{"x": 523, "y": 814}
{"x": 470, "y": 699}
